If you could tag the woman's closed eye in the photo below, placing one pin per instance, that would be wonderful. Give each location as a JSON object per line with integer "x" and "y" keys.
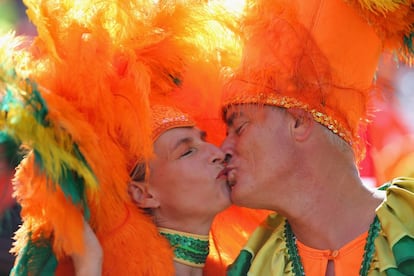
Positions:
{"x": 188, "y": 152}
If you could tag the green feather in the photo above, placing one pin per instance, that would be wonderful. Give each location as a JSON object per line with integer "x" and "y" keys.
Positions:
{"x": 36, "y": 103}
{"x": 36, "y": 258}
{"x": 408, "y": 42}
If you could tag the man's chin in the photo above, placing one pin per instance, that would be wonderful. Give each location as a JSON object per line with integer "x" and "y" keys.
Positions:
{"x": 237, "y": 198}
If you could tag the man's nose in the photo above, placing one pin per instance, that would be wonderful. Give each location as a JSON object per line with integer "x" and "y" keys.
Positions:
{"x": 227, "y": 158}
{"x": 228, "y": 148}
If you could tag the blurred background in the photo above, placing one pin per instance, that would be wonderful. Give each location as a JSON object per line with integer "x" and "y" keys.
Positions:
{"x": 390, "y": 136}
{"x": 12, "y": 18}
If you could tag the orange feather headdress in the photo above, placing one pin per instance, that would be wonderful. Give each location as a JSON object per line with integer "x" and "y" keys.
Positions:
{"x": 320, "y": 56}
{"x": 80, "y": 97}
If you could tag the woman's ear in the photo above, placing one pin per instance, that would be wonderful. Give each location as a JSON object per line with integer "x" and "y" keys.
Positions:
{"x": 140, "y": 195}
{"x": 303, "y": 123}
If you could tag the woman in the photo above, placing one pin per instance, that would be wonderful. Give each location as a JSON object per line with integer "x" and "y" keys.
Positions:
{"x": 186, "y": 186}
{"x": 185, "y": 189}
{"x": 85, "y": 126}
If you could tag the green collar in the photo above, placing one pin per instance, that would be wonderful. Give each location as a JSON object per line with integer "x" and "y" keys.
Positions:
{"x": 189, "y": 249}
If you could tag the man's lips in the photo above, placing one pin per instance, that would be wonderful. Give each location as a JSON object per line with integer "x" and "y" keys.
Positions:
{"x": 223, "y": 173}
{"x": 231, "y": 177}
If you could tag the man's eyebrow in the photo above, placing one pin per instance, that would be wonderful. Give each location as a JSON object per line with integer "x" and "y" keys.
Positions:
{"x": 203, "y": 135}
{"x": 230, "y": 119}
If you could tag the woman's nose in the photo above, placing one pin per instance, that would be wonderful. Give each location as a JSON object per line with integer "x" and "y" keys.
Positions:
{"x": 218, "y": 155}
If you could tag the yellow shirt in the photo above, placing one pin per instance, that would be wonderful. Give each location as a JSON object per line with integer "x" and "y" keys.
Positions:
{"x": 266, "y": 253}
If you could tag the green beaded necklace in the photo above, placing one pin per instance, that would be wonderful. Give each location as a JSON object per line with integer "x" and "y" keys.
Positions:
{"x": 298, "y": 270}
{"x": 189, "y": 249}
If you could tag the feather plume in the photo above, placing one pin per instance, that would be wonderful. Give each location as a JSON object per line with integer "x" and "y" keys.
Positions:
{"x": 394, "y": 23}
{"x": 83, "y": 90}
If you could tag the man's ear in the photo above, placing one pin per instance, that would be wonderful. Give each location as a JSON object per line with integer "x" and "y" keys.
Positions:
{"x": 140, "y": 195}
{"x": 302, "y": 124}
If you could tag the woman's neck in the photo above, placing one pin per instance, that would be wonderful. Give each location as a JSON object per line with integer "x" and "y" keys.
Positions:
{"x": 186, "y": 270}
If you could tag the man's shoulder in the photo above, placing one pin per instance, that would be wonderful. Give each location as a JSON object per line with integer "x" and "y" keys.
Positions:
{"x": 404, "y": 183}
{"x": 395, "y": 243}
{"x": 269, "y": 232}
{"x": 266, "y": 240}
{"x": 271, "y": 227}
{"x": 398, "y": 195}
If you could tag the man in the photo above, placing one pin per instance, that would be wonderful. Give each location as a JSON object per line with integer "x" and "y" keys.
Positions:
{"x": 294, "y": 111}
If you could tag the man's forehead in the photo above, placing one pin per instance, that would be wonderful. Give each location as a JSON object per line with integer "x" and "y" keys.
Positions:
{"x": 236, "y": 111}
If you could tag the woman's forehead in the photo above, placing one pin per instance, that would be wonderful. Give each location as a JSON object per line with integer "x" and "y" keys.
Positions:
{"x": 173, "y": 138}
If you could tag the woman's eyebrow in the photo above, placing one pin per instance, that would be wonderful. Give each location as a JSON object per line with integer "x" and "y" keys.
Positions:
{"x": 185, "y": 140}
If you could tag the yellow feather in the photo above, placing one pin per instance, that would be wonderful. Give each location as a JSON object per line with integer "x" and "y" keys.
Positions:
{"x": 381, "y": 6}
{"x": 53, "y": 144}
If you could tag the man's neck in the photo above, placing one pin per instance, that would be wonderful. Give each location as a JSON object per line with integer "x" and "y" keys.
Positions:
{"x": 335, "y": 218}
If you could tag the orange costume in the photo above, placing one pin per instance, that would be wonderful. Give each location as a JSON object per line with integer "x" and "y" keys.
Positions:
{"x": 347, "y": 260}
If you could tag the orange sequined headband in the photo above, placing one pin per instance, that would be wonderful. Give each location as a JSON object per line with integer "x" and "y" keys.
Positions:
{"x": 288, "y": 102}
{"x": 166, "y": 117}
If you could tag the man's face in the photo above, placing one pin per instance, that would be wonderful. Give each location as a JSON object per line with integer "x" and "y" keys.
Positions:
{"x": 187, "y": 175}
{"x": 260, "y": 144}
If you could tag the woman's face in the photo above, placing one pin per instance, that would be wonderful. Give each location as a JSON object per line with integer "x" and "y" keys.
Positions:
{"x": 187, "y": 175}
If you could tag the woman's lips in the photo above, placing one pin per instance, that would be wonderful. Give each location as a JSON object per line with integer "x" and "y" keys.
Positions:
{"x": 223, "y": 173}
